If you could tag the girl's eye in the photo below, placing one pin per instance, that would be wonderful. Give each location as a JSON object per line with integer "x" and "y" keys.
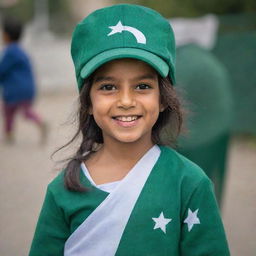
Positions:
{"x": 108, "y": 87}
{"x": 143, "y": 86}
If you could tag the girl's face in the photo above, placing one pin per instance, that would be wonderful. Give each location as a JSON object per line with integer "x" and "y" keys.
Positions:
{"x": 125, "y": 101}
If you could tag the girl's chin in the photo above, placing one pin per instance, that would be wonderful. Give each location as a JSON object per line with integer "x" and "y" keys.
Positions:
{"x": 132, "y": 139}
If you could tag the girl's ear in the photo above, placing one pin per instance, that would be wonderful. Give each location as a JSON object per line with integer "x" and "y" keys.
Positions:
{"x": 162, "y": 108}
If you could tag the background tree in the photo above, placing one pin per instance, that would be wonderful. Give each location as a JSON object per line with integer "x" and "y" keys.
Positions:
{"x": 192, "y": 8}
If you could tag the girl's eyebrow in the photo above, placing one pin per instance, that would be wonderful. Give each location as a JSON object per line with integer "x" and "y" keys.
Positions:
{"x": 103, "y": 78}
{"x": 146, "y": 76}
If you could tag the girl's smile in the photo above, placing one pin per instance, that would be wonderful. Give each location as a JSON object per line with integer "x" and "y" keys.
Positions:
{"x": 127, "y": 121}
{"x": 125, "y": 100}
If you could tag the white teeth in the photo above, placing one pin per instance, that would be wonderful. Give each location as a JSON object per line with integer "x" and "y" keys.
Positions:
{"x": 126, "y": 118}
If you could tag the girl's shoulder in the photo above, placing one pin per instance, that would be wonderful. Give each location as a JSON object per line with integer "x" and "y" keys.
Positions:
{"x": 58, "y": 184}
{"x": 57, "y": 190}
{"x": 183, "y": 175}
{"x": 180, "y": 166}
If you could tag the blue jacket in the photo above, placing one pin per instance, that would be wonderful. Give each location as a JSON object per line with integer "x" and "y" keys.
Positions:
{"x": 16, "y": 75}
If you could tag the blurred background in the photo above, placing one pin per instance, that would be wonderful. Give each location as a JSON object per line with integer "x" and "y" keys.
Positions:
{"x": 216, "y": 59}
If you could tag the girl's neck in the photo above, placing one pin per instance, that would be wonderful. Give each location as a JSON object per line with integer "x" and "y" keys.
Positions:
{"x": 123, "y": 155}
{"x": 126, "y": 152}
{"x": 113, "y": 161}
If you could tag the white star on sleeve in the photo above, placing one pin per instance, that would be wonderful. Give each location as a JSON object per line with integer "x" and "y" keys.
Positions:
{"x": 161, "y": 222}
{"x": 192, "y": 219}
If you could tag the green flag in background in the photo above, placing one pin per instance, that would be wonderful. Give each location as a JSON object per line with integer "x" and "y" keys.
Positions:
{"x": 208, "y": 98}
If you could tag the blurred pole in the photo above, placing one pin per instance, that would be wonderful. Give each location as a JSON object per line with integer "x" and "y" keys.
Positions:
{"x": 41, "y": 16}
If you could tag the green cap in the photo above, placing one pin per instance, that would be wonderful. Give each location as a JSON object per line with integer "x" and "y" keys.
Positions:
{"x": 123, "y": 31}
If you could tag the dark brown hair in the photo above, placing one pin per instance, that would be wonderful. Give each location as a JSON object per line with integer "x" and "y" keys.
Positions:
{"x": 13, "y": 28}
{"x": 91, "y": 134}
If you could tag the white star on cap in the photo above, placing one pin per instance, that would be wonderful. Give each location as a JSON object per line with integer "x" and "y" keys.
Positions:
{"x": 161, "y": 222}
{"x": 118, "y": 28}
{"x": 192, "y": 219}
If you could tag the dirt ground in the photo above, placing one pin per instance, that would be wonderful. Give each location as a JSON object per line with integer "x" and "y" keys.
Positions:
{"x": 26, "y": 169}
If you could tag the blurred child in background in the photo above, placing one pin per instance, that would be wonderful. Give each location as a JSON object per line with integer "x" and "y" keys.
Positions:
{"x": 17, "y": 81}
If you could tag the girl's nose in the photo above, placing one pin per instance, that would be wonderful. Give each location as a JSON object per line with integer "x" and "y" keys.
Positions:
{"x": 126, "y": 99}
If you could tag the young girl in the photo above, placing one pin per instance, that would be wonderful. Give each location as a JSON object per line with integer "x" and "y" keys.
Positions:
{"x": 123, "y": 192}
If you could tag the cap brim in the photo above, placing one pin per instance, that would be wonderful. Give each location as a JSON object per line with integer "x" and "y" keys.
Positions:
{"x": 153, "y": 60}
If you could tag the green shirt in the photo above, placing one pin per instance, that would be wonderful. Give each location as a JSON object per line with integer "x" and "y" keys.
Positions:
{"x": 175, "y": 214}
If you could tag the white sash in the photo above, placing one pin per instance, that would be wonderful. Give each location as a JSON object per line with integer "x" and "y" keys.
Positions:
{"x": 101, "y": 232}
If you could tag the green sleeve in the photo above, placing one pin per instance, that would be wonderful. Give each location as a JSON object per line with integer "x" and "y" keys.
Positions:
{"x": 202, "y": 232}
{"x": 52, "y": 230}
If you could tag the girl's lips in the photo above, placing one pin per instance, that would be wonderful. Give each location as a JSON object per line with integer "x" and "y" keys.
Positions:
{"x": 127, "y": 118}
{"x": 126, "y": 121}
